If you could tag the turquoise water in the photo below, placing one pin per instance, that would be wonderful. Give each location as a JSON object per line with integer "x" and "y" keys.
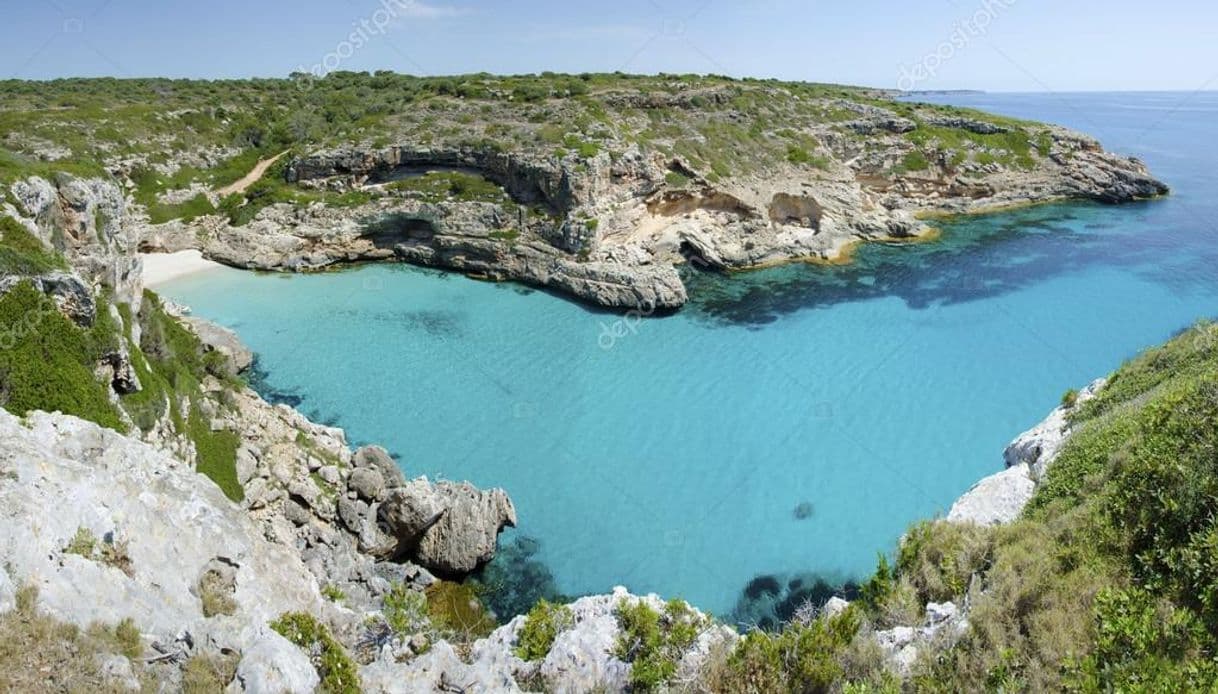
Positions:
{"x": 791, "y": 422}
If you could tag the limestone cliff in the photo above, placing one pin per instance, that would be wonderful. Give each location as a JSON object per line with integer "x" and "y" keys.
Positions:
{"x": 613, "y": 228}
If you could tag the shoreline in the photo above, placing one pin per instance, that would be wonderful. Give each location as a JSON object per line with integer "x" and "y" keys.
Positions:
{"x": 161, "y": 268}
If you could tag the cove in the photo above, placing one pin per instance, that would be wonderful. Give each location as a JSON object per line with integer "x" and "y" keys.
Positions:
{"x": 789, "y": 422}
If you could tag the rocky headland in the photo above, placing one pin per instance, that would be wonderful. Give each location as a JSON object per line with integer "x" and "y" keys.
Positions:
{"x": 605, "y": 197}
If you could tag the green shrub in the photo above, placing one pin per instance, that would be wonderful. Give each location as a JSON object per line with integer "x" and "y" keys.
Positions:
{"x": 797, "y": 659}
{"x": 876, "y": 590}
{"x": 938, "y": 559}
{"x": 1164, "y": 496}
{"x": 1070, "y": 399}
{"x": 457, "y": 611}
{"x": 1145, "y": 644}
{"x": 47, "y": 362}
{"x": 339, "y": 674}
{"x": 22, "y": 253}
{"x": 542, "y": 626}
{"x": 653, "y": 642}
{"x": 676, "y": 179}
{"x": 83, "y": 543}
{"x": 405, "y": 610}
{"x": 585, "y": 149}
{"x": 914, "y": 161}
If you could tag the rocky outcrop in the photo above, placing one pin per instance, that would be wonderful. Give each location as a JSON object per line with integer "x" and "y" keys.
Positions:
{"x": 86, "y": 220}
{"x": 1001, "y": 498}
{"x": 237, "y": 357}
{"x": 132, "y": 532}
{"x": 944, "y": 624}
{"x": 609, "y": 229}
{"x": 361, "y": 525}
{"x": 271, "y": 663}
{"x": 71, "y": 295}
{"x": 581, "y": 659}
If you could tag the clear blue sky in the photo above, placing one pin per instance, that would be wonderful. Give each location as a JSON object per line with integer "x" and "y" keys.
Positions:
{"x": 1024, "y": 45}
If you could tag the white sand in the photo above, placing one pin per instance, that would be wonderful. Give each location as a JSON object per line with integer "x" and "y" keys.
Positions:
{"x": 160, "y": 268}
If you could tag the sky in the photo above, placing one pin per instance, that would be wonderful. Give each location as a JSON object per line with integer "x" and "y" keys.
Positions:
{"x": 993, "y": 45}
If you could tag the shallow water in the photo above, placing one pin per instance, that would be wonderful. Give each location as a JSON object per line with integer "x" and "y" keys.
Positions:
{"x": 790, "y": 421}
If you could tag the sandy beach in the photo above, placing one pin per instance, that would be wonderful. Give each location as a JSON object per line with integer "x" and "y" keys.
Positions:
{"x": 160, "y": 268}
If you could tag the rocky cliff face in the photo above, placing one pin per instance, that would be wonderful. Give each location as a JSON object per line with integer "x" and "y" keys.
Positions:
{"x": 611, "y": 228}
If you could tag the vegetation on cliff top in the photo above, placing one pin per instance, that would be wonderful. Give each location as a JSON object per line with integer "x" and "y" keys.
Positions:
{"x": 184, "y": 137}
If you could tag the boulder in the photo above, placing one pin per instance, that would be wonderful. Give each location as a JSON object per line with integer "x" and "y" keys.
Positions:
{"x": 272, "y": 665}
{"x": 367, "y": 483}
{"x": 834, "y": 606}
{"x": 995, "y": 500}
{"x": 378, "y": 459}
{"x": 118, "y": 672}
{"x": 411, "y": 510}
{"x": 448, "y": 528}
{"x": 466, "y": 535}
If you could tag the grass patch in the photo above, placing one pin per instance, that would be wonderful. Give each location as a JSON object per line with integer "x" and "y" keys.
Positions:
{"x": 217, "y": 455}
{"x": 444, "y": 186}
{"x": 208, "y": 674}
{"x": 457, "y": 611}
{"x": 112, "y": 553}
{"x": 216, "y": 595}
{"x": 39, "y": 653}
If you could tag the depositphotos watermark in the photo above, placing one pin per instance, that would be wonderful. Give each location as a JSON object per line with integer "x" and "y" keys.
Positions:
{"x": 963, "y": 34}
{"x": 365, "y": 31}
{"x": 624, "y": 326}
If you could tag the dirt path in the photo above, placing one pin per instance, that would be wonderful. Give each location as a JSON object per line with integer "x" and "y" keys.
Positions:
{"x": 252, "y": 177}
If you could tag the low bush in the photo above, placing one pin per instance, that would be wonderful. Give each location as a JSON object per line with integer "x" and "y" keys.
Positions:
{"x": 653, "y": 641}
{"x": 811, "y": 658}
{"x": 339, "y": 674}
{"x": 541, "y": 627}
{"x": 47, "y": 362}
{"x": 457, "y": 612}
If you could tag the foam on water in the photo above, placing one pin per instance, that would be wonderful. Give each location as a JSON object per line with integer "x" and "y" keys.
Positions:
{"x": 791, "y": 421}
